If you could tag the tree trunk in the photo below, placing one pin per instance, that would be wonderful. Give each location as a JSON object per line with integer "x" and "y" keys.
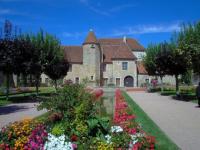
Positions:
{"x": 56, "y": 86}
{"x": 25, "y": 80}
{"x": 161, "y": 79}
{"x": 7, "y": 85}
{"x": 177, "y": 85}
{"x": 37, "y": 85}
{"x": 31, "y": 80}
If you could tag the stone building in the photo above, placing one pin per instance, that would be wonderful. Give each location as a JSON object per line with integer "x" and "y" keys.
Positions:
{"x": 106, "y": 61}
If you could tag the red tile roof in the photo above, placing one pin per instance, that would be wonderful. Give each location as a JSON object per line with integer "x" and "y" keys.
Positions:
{"x": 91, "y": 38}
{"x": 117, "y": 52}
{"x": 113, "y": 49}
{"x": 133, "y": 44}
{"x": 74, "y": 54}
{"x": 141, "y": 69}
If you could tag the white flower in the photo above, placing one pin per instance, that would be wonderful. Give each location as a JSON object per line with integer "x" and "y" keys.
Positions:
{"x": 116, "y": 129}
{"x": 57, "y": 143}
{"x": 108, "y": 138}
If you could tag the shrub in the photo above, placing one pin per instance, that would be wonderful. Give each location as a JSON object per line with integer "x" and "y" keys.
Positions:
{"x": 58, "y": 129}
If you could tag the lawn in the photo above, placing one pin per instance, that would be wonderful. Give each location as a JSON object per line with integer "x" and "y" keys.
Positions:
{"x": 27, "y": 96}
{"x": 4, "y": 102}
{"x": 43, "y": 117}
{"x": 163, "y": 142}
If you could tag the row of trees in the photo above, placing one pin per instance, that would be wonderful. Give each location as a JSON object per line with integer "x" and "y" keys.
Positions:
{"x": 177, "y": 57}
{"x": 31, "y": 55}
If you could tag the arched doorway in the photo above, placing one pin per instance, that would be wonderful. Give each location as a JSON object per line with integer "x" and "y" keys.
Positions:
{"x": 128, "y": 81}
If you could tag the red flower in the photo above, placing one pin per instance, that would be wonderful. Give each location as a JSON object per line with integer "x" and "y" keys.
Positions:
{"x": 74, "y": 138}
{"x": 98, "y": 93}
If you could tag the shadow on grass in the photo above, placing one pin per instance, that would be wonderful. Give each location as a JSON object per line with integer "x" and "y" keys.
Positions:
{"x": 26, "y": 98}
{"x": 185, "y": 97}
{"x": 12, "y": 109}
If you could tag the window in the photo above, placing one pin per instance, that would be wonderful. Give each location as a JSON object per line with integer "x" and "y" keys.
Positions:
{"x": 70, "y": 67}
{"x": 118, "y": 82}
{"x": 124, "y": 65}
{"x": 92, "y": 77}
{"x": 46, "y": 80}
{"x": 105, "y": 81}
{"x": 92, "y": 46}
{"x": 77, "y": 80}
{"x": 104, "y": 67}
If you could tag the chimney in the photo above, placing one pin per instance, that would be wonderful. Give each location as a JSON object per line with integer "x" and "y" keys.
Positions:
{"x": 124, "y": 39}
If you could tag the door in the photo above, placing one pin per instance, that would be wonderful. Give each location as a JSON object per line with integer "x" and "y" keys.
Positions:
{"x": 128, "y": 81}
{"x": 118, "y": 82}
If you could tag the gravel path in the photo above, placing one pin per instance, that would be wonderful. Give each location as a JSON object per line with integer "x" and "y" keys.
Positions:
{"x": 179, "y": 120}
{"x": 15, "y": 112}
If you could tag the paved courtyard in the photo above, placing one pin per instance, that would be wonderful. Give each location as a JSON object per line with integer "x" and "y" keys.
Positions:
{"x": 179, "y": 120}
{"x": 15, "y": 112}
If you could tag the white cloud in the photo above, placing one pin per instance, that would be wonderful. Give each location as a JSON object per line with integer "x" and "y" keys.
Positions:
{"x": 145, "y": 29}
{"x": 121, "y": 7}
{"x": 97, "y": 8}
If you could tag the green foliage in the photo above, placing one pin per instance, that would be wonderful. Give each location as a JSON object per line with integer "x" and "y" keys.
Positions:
{"x": 58, "y": 129}
{"x": 80, "y": 115}
{"x": 98, "y": 125}
{"x": 7, "y": 57}
{"x": 189, "y": 42}
{"x": 56, "y": 69}
{"x": 120, "y": 139}
{"x": 186, "y": 78}
{"x": 150, "y": 59}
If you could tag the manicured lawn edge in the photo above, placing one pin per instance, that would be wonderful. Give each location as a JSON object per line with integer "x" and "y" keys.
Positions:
{"x": 163, "y": 142}
{"x": 4, "y": 102}
{"x": 43, "y": 117}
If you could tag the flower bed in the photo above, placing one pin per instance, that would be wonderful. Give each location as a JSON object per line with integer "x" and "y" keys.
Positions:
{"x": 124, "y": 118}
{"x": 76, "y": 122}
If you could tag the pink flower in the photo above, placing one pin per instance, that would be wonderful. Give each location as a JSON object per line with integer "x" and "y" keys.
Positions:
{"x": 74, "y": 146}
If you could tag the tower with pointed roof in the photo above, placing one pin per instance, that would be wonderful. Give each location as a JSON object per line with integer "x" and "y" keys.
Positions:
{"x": 92, "y": 57}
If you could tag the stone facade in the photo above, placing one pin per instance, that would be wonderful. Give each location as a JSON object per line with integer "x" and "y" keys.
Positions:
{"x": 104, "y": 62}
{"x": 114, "y": 72}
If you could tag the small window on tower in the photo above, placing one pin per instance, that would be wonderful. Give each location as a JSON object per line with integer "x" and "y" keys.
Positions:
{"x": 92, "y": 78}
{"x": 92, "y": 46}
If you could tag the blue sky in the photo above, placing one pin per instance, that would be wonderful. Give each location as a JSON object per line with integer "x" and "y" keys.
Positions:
{"x": 148, "y": 21}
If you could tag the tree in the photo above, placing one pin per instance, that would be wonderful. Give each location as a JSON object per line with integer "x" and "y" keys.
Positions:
{"x": 189, "y": 42}
{"x": 149, "y": 59}
{"x": 151, "y": 65}
{"x": 173, "y": 61}
{"x": 7, "y": 54}
{"x": 23, "y": 57}
{"x": 48, "y": 50}
{"x": 56, "y": 70}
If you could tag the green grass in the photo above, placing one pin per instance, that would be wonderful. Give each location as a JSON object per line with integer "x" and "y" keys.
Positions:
{"x": 4, "y": 102}
{"x": 43, "y": 117}
{"x": 168, "y": 93}
{"x": 185, "y": 96}
{"x": 163, "y": 142}
{"x": 22, "y": 97}
{"x": 44, "y": 89}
